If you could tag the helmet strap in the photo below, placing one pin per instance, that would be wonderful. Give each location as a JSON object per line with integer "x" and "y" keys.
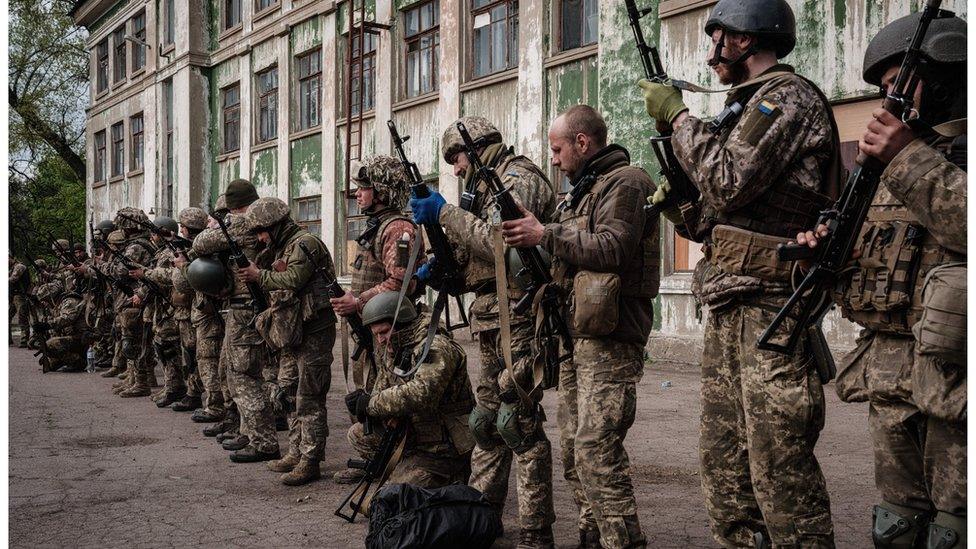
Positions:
{"x": 718, "y": 58}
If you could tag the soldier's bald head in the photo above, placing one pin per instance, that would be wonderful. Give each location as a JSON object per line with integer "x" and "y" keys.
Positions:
{"x": 582, "y": 119}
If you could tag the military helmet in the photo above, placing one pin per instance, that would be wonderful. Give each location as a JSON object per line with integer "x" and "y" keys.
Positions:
{"x": 116, "y": 238}
{"x": 386, "y": 175}
{"x": 944, "y": 44}
{"x": 135, "y": 213}
{"x": 240, "y": 193}
{"x": 166, "y": 223}
{"x": 79, "y": 247}
{"x": 194, "y": 219}
{"x": 482, "y": 132}
{"x": 383, "y": 307}
{"x": 265, "y": 212}
{"x": 220, "y": 205}
{"x": 208, "y": 275}
{"x": 40, "y": 264}
{"x": 772, "y": 20}
{"x": 513, "y": 262}
{"x": 105, "y": 226}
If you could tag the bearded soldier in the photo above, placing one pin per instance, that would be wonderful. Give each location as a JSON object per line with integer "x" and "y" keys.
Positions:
{"x": 763, "y": 177}
{"x": 299, "y": 322}
{"x": 435, "y": 399}
{"x": 384, "y": 248}
{"x": 19, "y": 284}
{"x": 910, "y": 361}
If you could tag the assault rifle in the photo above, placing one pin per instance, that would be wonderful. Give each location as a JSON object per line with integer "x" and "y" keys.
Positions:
{"x": 258, "y": 301}
{"x": 178, "y": 245}
{"x": 811, "y": 298}
{"x": 361, "y": 335}
{"x": 149, "y": 284}
{"x": 683, "y": 192}
{"x": 534, "y": 265}
{"x": 122, "y": 286}
{"x": 377, "y": 469}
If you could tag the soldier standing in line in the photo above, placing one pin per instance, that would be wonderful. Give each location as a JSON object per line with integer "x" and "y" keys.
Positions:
{"x": 39, "y": 314}
{"x": 300, "y": 322}
{"x": 499, "y": 440}
{"x": 384, "y": 249}
{"x": 19, "y": 284}
{"x": 606, "y": 255}
{"x": 762, "y": 179}
{"x": 910, "y": 361}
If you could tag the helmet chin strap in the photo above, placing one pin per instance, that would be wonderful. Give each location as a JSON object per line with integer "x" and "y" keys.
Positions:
{"x": 718, "y": 58}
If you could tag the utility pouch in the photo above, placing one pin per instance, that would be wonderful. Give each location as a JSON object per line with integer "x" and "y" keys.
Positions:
{"x": 595, "y": 305}
{"x": 941, "y": 332}
{"x": 280, "y": 325}
{"x": 748, "y": 253}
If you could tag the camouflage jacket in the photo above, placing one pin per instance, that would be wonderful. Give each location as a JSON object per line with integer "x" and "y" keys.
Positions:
{"x": 69, "y": 319}
{"x": 379, "y": 266}
{"x": 161, "y": 274}
{"x": 437, "y": 398}
{"x": 211, "y": 241}
{"x": 19, "y": 279}
{"x": 472, "y": 233}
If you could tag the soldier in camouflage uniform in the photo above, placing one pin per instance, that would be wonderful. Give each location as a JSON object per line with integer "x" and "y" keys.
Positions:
{"x": 39, "y": 314}
{"x": 762, "y": 178}
{"x": 473, "y": 232}
{"x": 435, "y": 399}
{"x": 19, "y": 285}
{"x": 245, "y": 350}
{"x": 68, "y": 335}
{"x": 914, "y": 234}
{"x": 384, "y": 248}
{"x": 603, "y": 239}
{"x": 301, "y": 324}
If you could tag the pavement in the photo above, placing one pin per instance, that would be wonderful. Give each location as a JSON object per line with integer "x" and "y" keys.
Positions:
{"x": 90, "y": 469}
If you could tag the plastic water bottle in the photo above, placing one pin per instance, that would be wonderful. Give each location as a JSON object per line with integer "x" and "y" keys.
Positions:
{"x": 90, "y": 360}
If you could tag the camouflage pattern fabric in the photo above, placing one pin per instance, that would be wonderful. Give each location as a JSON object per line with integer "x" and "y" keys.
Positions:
{"x": 308, "y": 426}
{"x": 20, "y": 308}
{"x": 478, "y": 128}
{"x": 166, "y": 329}
{"x": 419, "y": 469}
{"x": 385, "y": 174}
{"x": 209, "y": 338}
{"x": 67, "y": 346}
{"x": 247, "y": 356}
{"x": 762, "y": 413}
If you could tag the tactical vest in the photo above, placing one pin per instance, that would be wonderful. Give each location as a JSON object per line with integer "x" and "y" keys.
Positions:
{"x": 368, "y": 269}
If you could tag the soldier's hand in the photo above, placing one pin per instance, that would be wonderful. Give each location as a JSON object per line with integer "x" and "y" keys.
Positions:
{"x": 885, "y": 136}
{"x": 427, "y": 211}
{"x": 251, "y": 273}
{"x": 136, "y": 300}
{"x": 137, "y": 273}
{"x": 179, "y": 261}
{"x": 356, "y": 403}
{"x": 662, "y": 101}
{"x": 279, "y": 265}
{"x": 345, "y": 305}
{"x": 523, "y": 233}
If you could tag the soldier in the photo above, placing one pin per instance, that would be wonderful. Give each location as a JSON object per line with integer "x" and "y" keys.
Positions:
{"x": 98, "y": 302}
{"x": 384, "y": 249}
{"x": 435, "y": 399}
{"x": 473, "y": 230}
{"x": 65, "y": 347}
{"x": 301, "y": 323}
{"x": 246, "y": 352}
{"x": 19, "y": 285}
{"x": 762, "y": 178}
{"x": 39, "y": 314}
{"x": 916, "y": 390}
{"x": 114, "y": 241}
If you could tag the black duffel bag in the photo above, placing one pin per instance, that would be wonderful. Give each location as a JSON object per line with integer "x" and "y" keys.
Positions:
{"x": 404, "y": 516}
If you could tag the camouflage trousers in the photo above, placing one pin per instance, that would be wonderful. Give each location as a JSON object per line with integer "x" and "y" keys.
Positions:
{"x": 65, "y": 351}
{"x": 308, "y": 426}
{"x": 103, "y": 344}
{"x": 491, "y": 464}
{"x": 138, "y": 360}
{"x": 209, "y": 339}
{"x": 761, "y": 416}
{"x": 188, "y": 357}
{"x": 597, "y": 405}
{"x": 247, "y": 356}
{"x": 19, "y": 307}
{"x": 422, "y": 469}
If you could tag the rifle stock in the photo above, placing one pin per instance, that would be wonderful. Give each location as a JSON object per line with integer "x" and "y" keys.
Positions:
{"x": 376, "y": 469}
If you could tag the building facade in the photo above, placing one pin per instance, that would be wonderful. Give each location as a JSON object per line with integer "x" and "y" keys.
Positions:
{"x": 187, "y": 95}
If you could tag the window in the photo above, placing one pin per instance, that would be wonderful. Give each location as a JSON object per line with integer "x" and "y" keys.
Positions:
{"x": 138, "y": 49}
{"x": 355, "y": 225}
{"x": 267, "y": 104}
{"x": 101, "y": 78}
{"x": 232, "y": 117}
{"x": 264, "y": 4}
{"x": 495, "y": 37}
{"x": 167, "y": 198}
{"x": 367, "y": 87}
{"x": 577, "y": 26}
{"x": 137, "y": 142}
{"x": 422, "y": 36}
{"x": 169, "y": 22}
{"x": 308, "y": 214}
{"x": 99, "y": 171}
{"x": 309, "y": 89}
{"x": 118, "y": 149}
{"x": 118, "y": 43}
{"x": 232, "y": 13}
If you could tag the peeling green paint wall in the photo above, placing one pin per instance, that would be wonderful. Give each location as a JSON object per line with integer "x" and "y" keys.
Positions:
{"x": 264, "y": 171}
{"x": 305, "y": 171}
{"x": 306, "y": 35}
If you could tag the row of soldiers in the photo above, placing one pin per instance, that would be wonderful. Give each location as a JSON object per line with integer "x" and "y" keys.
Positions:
{"x": 763, "y": 178}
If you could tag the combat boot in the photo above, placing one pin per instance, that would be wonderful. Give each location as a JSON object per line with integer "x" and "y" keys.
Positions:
{"x": 229, "y": 434}
{"x": 121, "y": 386}
{"x": 536, "y": 539}
{"x": 203, "y": 416}
{"x": 188, "y": 404}
{"x": 306, "y": 471}
{"x": 139, "y": 387}
{"x": 168, "y": 398}
{"x": 348, "y": 476}
{"x": 112, "y": 372}
{"x": 285, "y": 464}
{"x": 250, "y": 454}
{"x": 589, "y": 538}
{"x": 634, "y": 534}
{"x": 237, "y": 443}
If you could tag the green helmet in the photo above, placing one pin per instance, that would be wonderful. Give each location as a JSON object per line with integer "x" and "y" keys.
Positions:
{"x": 105, "y": 226}
{"x": 208, "y": 276}
{"x": 482, "y": 132}
{"x": 266, "y": 212}
{"x": 383, "y": 307}
{"x": 194, "y": 219}
{"x": 135, "y": 213}
{"x": 166, "y": 223}
{"x": 220, "y": 205}
{"x": 944, "y": 44}
{"x": 513, "y": 261}
{"x": 40, "y": 264}
{"x": 771, "y": 20}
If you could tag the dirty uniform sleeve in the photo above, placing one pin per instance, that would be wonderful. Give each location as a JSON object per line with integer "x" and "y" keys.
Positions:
{"x": 784, "y": 122}
{"x": 617, "y": 229}
{"x": 933, "y": 189}
{"x": 162, "y": 273}
{"x": 422, "y": 394}
{"x": 395, "y": 274}
{"x": 298, "y": 270}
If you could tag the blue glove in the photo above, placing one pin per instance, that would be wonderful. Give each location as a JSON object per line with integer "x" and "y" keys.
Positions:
{"x": 423, "y": 273}
{"x": 427, "y": 211}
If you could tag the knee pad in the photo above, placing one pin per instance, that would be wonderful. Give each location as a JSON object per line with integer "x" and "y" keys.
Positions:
{"x": 130, "y": 348}
{"x": 481, "y": 420}
{"x": 945, "y": 532}
{"x": 166, "y": 352}
{"x": 507, "y": 424}
{"x": 897, "y": 526}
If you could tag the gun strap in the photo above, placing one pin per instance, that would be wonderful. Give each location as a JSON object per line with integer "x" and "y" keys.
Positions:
{"x": 344, "y": 346}
{"x": 694, "y": 88}
{"x": 504, "y": 315}
{"x": 407, "y": 274}
{"x": 395, "y": 458}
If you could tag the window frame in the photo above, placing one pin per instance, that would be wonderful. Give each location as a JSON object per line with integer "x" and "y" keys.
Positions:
{"x": 138, "y": 50}
{"x": 102, "y": 75}
{"x": 266, "y": 101}
{"x": 558, "y": 27}
{"x": 304, "y": 223}
{"x": 511, "y": 46}
{"x": 117, "y": 154}
{"x": 169, "y": 25}
{"x": 371, "y": 40}
{"x": 271, "y": 4}
{"x": 119, "y": 62}
{"x": 302, "y": 81}
{"x": 417, "y": 38}
{"x": 226, "y": 110}
{"x": 137, "y": 142}
{"x": 98, "y": 152}
{"x": 226, "y": 11}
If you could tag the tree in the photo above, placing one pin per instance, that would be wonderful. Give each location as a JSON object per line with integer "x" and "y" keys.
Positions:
{"x": 50, "y": 203}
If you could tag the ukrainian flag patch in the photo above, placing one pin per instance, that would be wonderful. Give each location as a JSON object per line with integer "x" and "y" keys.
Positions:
{"x": 766, "y": 107}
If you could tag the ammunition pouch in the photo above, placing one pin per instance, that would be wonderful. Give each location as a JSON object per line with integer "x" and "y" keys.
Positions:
{"x": 746, "y": 253}
{"x": 482, "y": 422}
{"x": 280, "y": 325}
{"x": 945, "y": 532}
{"x": 941, "y": 331}
{"x": 896, "y": 527}
{"x": 509, "y": 428}
{"x": 595, "y": 303}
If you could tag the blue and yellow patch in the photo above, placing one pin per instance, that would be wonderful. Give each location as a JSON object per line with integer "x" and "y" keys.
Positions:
{"x": 766, "y": 107}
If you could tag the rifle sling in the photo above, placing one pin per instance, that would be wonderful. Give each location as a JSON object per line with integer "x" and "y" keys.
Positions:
{"x": 504, "y": 315}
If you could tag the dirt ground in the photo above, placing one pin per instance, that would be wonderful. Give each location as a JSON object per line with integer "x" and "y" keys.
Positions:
{"x": 90, "y": 469}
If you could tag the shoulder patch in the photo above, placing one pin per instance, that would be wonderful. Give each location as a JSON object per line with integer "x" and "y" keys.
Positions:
{"x": 758, "y": 120}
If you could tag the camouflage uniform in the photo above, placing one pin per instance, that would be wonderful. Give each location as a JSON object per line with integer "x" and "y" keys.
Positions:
{"x": 138, "y": 250}
{"x": 98, "y": 313}
{"x": 607, "y": 234}
{"x": 917, "y": 401}
{"x": 473, "y": 234}
{"x": 163, "y": 317}
{"x": 66, "y": 347}
{"x": 762, "y": 181}
{"x": 18, "y": 282}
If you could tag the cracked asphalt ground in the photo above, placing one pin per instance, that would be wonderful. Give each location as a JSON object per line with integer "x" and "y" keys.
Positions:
{"x": 91, "y": 469}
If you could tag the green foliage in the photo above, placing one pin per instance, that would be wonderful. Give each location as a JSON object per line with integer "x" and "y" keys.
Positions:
{"x": 50, "y": 203}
